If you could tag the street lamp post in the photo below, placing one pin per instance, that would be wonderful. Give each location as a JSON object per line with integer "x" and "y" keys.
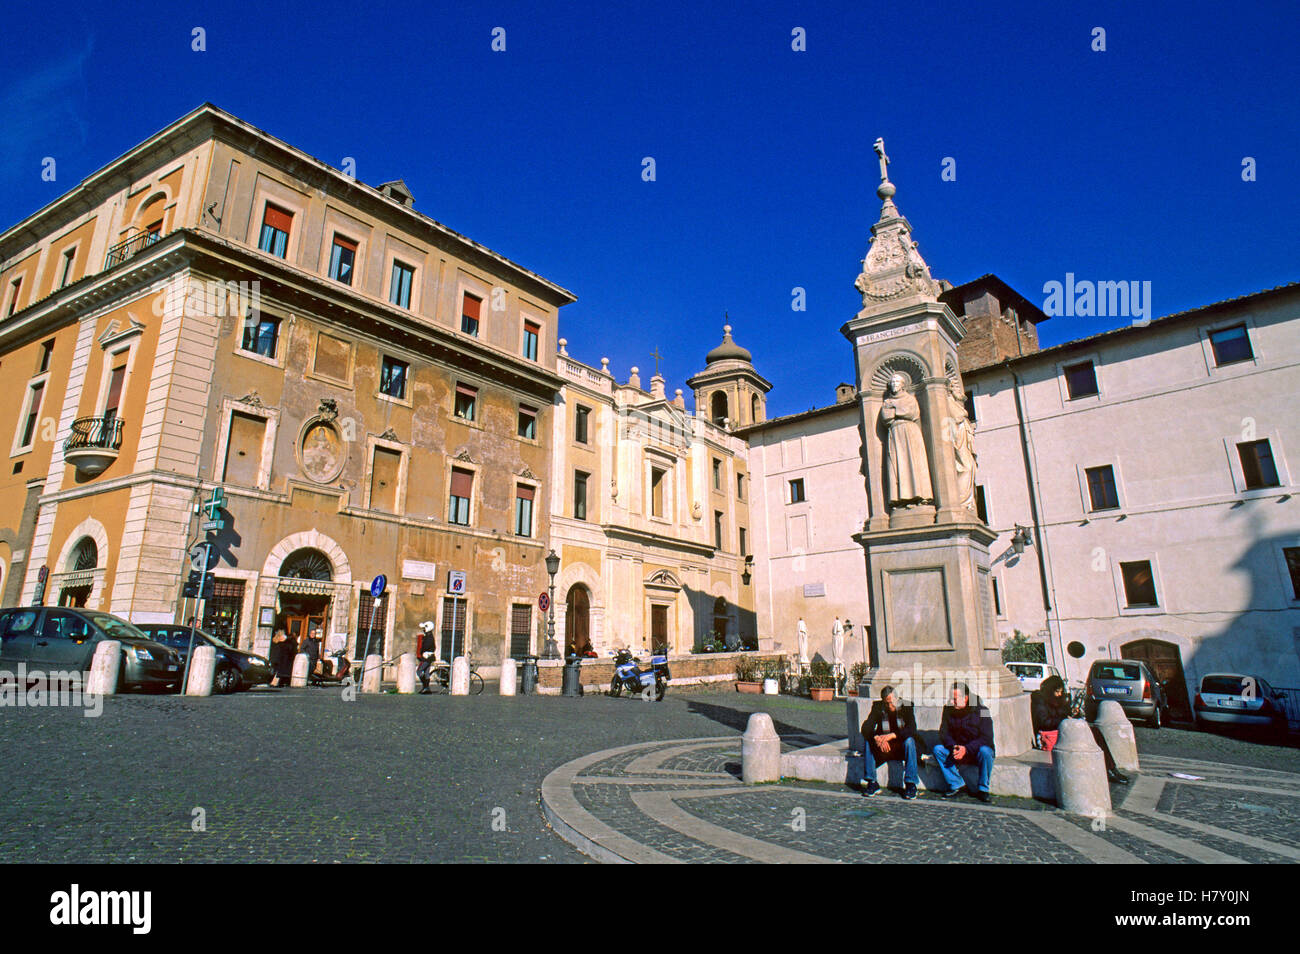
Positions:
{"x": 552, "y": 567}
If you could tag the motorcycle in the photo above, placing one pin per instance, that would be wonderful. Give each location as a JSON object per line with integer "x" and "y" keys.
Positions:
{"x": 629, "y": 676}
{"x": 332, "y": 675}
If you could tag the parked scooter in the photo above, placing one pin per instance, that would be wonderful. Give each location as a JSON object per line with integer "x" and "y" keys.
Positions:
{"x": 336, "y": 674}
{"x": 630, "y": 677}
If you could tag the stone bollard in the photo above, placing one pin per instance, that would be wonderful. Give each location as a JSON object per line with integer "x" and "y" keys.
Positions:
{"x": 406, "y": 673}
{"x": 508, "y": 677}
{"x": 373, "y": 675}
{"x": 460, "y": 676}
{"x": 760, "y": 751}
{"x": 203, "y": 666}
{"x": 1118, "y": 732}
{"x": 104, "y": 668}
{"x": 299, "y": 677}
{"x": 1080, "y": 767}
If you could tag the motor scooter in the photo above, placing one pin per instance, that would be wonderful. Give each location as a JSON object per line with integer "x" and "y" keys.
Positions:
{"x": 651, "y": 683}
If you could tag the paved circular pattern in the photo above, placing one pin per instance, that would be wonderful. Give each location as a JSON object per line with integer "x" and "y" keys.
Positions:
{"x": 682, "y": 801}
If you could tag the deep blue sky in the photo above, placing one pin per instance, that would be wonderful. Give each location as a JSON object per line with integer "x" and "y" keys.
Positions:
{"x": 1122, "y": 165}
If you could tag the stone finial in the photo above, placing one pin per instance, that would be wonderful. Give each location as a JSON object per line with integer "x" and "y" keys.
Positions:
{"x": 634, "y": 379}
{"x": 604, "y": 365}
{"x": 678, "y": 400}
{"x": 564, "y": 347}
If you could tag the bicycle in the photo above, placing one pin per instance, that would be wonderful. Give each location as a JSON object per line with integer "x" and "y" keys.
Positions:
{"x": 441, "y": 677}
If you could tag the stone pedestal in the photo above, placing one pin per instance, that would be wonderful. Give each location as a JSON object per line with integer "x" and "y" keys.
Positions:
{"x": 1117, "y": 730}
{"x": 104, "y": 668}
{"x": 460, "y": 676}
{"x": 1081, "y": 785}
{"x": 760, "y": 751}
{"x": 406, "y": 673}
{"x": 373, "y": 675}
{"x": 508, "y": 677}
{"x": 203, "y": 666}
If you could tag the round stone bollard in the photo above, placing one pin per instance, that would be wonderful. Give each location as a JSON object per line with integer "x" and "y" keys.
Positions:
{"x": 299, "y": 677}
{"x": 203, "y": 666}
{"x": 1118, "y": 732}
{"x": 374, "y": 673}
{"x": 508, "y": 677}
{"x": 460, "y": 676}
{"x": 104, "y": 668}
{"x": 1080, "y": 767}
{"x": 760, "y": 751}
{"x": 406, "y": 674}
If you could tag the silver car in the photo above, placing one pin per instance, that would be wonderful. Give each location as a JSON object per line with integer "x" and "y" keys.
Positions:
{"x": 1232, "y": 700}
{"x": 1131, "y": 684}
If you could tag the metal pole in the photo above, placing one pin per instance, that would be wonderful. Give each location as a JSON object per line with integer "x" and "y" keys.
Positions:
{"x": 203, "y": 578}
{"x": 374, "y": 608}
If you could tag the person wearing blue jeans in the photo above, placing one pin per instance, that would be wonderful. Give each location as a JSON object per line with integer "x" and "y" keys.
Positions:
{"x": 965, "y": 738}
{"x": 889, "y": 733}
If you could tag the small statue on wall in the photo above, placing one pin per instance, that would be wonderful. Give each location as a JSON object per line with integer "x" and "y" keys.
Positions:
{"x": 961, "y": 431}
{"x": 907, "y": 468}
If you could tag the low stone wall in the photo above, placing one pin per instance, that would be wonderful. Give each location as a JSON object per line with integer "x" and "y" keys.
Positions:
{"x": 686, "y": 670}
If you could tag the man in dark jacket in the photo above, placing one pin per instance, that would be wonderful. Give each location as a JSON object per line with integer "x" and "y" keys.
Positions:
{"x": 889, "y": 733}
{"x": 428, "y": 653}
{"x": 965, "y": 737}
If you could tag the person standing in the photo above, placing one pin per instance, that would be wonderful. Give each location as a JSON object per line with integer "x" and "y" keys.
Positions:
{"x": 311, "y": 647}
{"x": 281, "y": 657}
{"x": 889, "y": 733}
{"x": 428, "y": 653}
{"x": 966, "y": 738}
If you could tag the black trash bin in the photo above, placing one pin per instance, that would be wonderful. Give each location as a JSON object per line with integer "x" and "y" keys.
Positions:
{"x": 572, "y": 684}
{"x": 528, "y": 684}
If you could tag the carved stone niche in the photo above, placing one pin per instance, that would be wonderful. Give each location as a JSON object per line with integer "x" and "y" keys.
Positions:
{"x": 322, "y": 452}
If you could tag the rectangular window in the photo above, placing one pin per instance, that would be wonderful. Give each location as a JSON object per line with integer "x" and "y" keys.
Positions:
{"x": 66, "y": 275}
{"x": 462, "y": 486}
{"x": 372, "y": 616}
{"x": 580, "y": 417}
{"x": 531, "y": 333}
{"x": 1139, "y": 583}
{"x": 261, "y": 335}
{"x": 399, "y": 286}
{"x": 333, "y": 357}
{"x": 527, "y": 422}
{"x": 392, "y": 378}
{"x": 14, "y": 288}
{"x": 276, "y": 224}
{"x": 579, "y": 495}
{"x": 1292, "y": 557}
{"x": 740, "y": 486}
{"x": 997, "y": 597}
{"x": 744, "y": 549}
{"x": 970, "y": 405}
{"x": 1231, "y": 345}
{"x": 343, "y": 257}
{"x": 384, "y": 469}
{"x": 244, "y": 450}
{"x": 796, "y": 491}
{"x": 47, "y": 352}
{"x": 115, "y": 381}
{"x": 656, "y": 492}
{"x": 1101, "y": 488}
{"x": 523, "y": 511}
{"x": 521, "y": 629}
{"x": 717, "y": 529}
{"x": 33, "y": 413}
{"x": 471, "y": 309}
{"x": 717, "y": 474}
{"x": 466, "y": 401}
{"x": 981, "y": 508}
{"x": 1257, "y": 464}
{"x": 1080, "y": 379}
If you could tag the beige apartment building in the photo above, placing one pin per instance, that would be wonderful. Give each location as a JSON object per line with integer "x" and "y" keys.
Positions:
{"x": 371, "y": 390}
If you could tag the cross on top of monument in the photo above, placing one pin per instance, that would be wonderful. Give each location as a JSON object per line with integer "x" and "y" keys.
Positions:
{"x": 886, "y": 188}
{"x": 884, "y": 159}
{"x": 658, "y": 357}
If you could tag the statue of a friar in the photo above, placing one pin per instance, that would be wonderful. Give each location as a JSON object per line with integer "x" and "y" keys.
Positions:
{"x": 907, "y": 468}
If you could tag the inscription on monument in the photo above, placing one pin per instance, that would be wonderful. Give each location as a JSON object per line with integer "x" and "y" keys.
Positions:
{"x": 916, "y": 610}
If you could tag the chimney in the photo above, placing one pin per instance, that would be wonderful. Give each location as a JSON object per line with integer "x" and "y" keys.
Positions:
{"x": 844, "y": 393}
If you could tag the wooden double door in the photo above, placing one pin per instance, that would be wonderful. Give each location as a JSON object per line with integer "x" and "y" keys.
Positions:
{"x": 1166, "y": 662}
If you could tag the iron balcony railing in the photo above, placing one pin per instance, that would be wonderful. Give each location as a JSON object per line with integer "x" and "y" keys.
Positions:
{"x": 136, "y": 244}
{"x": 95, "y": 433}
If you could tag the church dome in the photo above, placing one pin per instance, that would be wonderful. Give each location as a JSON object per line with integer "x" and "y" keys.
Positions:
{"x": 728, "y": 350}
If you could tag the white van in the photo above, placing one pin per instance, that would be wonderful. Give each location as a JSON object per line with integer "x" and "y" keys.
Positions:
{"x": 1031, "y": 674}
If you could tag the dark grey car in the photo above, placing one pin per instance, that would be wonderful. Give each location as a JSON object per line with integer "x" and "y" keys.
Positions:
{"x": 1131, "y": 684}
{"x": 63, "y": 639}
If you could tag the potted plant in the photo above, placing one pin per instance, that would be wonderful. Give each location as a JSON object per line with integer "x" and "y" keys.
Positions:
{"x": 821, "y": 681}
{"x": 747, "y": 678}
{"x": 773, "y": 670}
{"x": 857, "y": 672}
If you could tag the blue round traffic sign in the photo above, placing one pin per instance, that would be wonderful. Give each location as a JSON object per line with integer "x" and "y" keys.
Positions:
{"x": 378, "y": 585}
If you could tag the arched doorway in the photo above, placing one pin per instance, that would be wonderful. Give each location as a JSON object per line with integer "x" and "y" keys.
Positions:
{"x": 83, "y": 559}
{"x": 577, "y": 620}
{"x": 718, "y": 407}
{"x": 304, "y": 590}
{"x": 1166, "y": 662}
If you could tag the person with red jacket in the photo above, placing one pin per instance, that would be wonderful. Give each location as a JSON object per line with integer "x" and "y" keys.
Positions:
{"x": 428, "y": 653}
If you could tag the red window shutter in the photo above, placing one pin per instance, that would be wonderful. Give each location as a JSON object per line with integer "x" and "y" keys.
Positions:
{"x": 277, "y": 218}
{"x": 462, "y": 482}
{"x": 471, "y": 307}
{"x": 466, "y": 390}
{"x": 115, "y": 388}
{"x": 524, "y": 493}
{"x": 346, "y": 243}
{"x": 532, "y": 328}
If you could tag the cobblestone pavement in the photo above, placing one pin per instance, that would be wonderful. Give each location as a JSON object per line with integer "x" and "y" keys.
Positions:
{"x": 301, "y": 776}
{"x": 681, "y": 801}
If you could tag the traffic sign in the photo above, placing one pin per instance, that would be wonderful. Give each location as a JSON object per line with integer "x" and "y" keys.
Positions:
{"x": 543, "y": 602}
{"x": 378, "y": 585}
{"x": 456, "y": 582}
{"x": 201, "y": 558}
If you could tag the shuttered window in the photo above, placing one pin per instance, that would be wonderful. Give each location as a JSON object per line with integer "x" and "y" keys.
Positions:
{"x": 521, "y": 626}
{"x": 343, "y": 257}
{"x": 276, "y": 225}
{"x": 524, "y": 511}
{"x": 470, "y": 312}
{"x": 462, "y": 486}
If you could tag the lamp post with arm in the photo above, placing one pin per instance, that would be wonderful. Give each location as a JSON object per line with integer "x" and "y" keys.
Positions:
{"x": 552, "y": 567}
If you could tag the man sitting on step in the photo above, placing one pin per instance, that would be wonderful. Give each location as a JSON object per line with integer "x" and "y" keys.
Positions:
{"x": 889, "y": 733}
{"x": 965, "y": 737}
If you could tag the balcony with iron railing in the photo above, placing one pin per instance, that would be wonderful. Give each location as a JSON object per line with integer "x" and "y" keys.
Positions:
{"x": 94, "y": 443}
{"x": 130, "y": 247}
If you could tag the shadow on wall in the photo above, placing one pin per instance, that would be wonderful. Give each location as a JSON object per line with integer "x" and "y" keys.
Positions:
{"x": 709, "y": 612}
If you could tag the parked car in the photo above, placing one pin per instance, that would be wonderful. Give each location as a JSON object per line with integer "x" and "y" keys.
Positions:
{"x": 1131, "y": 684}
{"x": 236, "y": 669}
{"x": 63, "y": 639}
{"x": 1235, "y": 701}
{"x": 1031, "y": 674}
